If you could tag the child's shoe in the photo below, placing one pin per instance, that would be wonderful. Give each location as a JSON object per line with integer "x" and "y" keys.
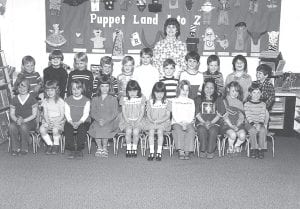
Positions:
{"x": 105, "y": 154}
{"x": 181, "y": 155}
{"x": 237, "y": 150}
{"x": 187, "y": 156}
{"x": 134, "y": 153}
{"x": 230, "y": 151}
{"x": 210, "y": 155}
{"x": 55, "y": 150}
{"x": 202, "y": 155}
{"x": 48, "y": 150}
{"x": 14, "y": 153}
{"x": 98, "y": 153}
{"x": 150, "y": 157}
{"x": 23, "y": 152}
{"x": 253, "y": 153}
{"x": 128, "y": 153}
{"x": 261, "y": 154}
{"x": 158, "y": 157}
{"x": 71, "y": 155}
{"x": 256, "y": 153}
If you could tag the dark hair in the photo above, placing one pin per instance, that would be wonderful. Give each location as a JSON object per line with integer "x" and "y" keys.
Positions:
{"x": 243, "y": 59}
{"x": 159, "y": 87}
{"x": 180, "y": 86}
{"x": 237, "y": 87}
{"x": 106, "y": 60}
{"x": 79, "y": 85}
{"x": 213, "y": 58}
{"x": 214, "y": 95}
{"x": 104, "y": 79}
{"x": 192, "y": 55}
{"x": 254, "y": 86}
{"x": 147, "y": 51}
{"x": 18, "y": 83}
{"x": 56, "y": 54}
{"x": 52, "y": 84}
{"x": 169, "y": 61}
{"x": 265, "y": 69}
{"x": 172, "y": 21}
{"x": 133, "y": 85}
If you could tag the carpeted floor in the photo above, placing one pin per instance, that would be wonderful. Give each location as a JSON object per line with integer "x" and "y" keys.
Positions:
{"x": 48, "y": 182}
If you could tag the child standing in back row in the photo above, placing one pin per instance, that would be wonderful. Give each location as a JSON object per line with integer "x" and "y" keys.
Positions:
{"x": 213, "y": 71}
{"x": 81, "y": 73}
{"x": 192, "y": 73}
{"x": 28, "y": 72}
{"x": 146, "y": 74}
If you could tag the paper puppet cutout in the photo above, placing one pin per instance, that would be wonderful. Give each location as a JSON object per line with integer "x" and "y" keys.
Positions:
{"x": 56, "y": 39}
{"x": 95, "y": 5}
{"x": 2, "y": 6}
{"x": 206, "y": 9}
{"x": 223, "y": 18}
{"x": 193, "y": 29}
{"x": 141, "y": 5}
{"x": 135, "y": 39}
{"x": 74, "y": 2}
{"x": 223, "y": 42}
{"x": 173, "y": 4}
{"x": 240, "y": 29}
{"x": 108, "y": 4}
{"x": 255, "y": 40}
{"x": 272, "y": 4}
{"x": 78, "y": 39}
{"x": 118, "y": 43}
{"x": 54, "y": 7}
{"x": 159, "y": 35}
{"x": 253, "y": 6}
{"x": 192, "y": 44}
{"x": 98, "y": 40}
{"x": 124, "y": 4}
{"x": 273, "y": 40}
{"x": 155, "y": 6}
{"x": 189, "y": 4}
{"x": 209, "y": 39}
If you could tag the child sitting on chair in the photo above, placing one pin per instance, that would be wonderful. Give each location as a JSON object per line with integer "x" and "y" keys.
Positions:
{"x": 23, "y": 112}
{"x": 256, "y": 113}
{"x": 53, "y": 116}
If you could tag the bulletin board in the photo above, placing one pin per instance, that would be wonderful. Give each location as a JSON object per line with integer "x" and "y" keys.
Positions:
{"x": 117, "y": 27}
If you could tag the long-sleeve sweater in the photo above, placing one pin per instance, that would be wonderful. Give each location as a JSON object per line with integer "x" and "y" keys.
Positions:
{"x": 86, "y": 77}
{"x": 255, "y": 112}
{"x": 58, "y": 74}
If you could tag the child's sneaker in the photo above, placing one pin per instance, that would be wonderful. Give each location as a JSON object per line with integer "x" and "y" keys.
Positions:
{"x": 105, "y": 154}
{"x": 252, "y": 153}
{"x": 202, "y": 155}
{"x": 98, "y": 153}
{"x": 230, "y": 151}
{"x": 261, "y": 154}
{"x": 49, "y": 150}
{"x": 55, "y": 150}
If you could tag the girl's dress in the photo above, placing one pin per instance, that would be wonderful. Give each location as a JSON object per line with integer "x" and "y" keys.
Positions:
{"x": 107, "y": 110}
{"x": 157, "y": 111}
{"x": 133, "y": 111}
{"x": 54, "y": 112}
{"x": 235, "y": 110}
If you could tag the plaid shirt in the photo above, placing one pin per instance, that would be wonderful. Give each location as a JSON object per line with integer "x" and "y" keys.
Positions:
{"x": 169, "y": 48}
{"x": 268, "y": 93}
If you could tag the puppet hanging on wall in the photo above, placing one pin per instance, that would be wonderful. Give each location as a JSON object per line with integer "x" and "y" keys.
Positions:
{"x": 192, "y": 41}
{"x": 240, "y": 29}
{"x": 209, "y": 39}
{"x": 2, "y": 6}
{"x": 223, "y": 8}
{"x": 98, "y": 39}
{"x": 108, "y": 4}
{"x": 74, "y": 2}
{"x": 273, "y": 40}
{"x": 253, "y": 6}
{"x": 255, "y": 40}
{"x": 223, "y": 42}
{"x": 118, "y": 43}
{"x": 141, "y": 5}
{"x": 206, "y": 9}
{"x": 56, "y": 39}
{"x": 95, "y": 5}
{"x": 54, "y": 7}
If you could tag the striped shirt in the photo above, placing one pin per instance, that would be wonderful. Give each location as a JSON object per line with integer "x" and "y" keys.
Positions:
{"x": 171, "y": 86}
{"x": 255, "y": 112}
{"x": 86, "y": 77}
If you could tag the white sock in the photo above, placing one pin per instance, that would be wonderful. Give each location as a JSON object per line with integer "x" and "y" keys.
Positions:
{"x": 159, "y": 148}
{"x": 134, "y": 147}
{"x": 56, "y": 140}
{"x": 151, "y": 148}
{"x": 238, "y": 143}
{"x": 47, "y": 140}
{"x": 128, "y": 146}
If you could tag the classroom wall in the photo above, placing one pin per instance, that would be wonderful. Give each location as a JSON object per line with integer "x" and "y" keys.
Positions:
{"x": 23, "y": 33}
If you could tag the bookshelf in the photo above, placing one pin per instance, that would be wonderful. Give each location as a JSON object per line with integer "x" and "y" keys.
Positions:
{"x": 5, "y": 96}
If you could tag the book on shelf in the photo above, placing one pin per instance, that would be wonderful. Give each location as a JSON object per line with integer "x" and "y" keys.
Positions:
{"x": 4, "y": 102}
{"x": 4, "y": 126}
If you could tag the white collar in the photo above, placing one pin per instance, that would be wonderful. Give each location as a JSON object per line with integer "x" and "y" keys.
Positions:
{"x": 23, "y": 101}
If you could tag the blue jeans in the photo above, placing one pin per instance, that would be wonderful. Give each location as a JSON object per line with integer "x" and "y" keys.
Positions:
{"x": 207, "y": 138}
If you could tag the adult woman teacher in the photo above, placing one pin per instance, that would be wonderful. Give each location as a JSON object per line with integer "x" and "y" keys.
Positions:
{"x": 170, "y": 47}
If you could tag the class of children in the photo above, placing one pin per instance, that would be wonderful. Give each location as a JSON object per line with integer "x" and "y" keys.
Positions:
{"x": 196, "y": 110}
